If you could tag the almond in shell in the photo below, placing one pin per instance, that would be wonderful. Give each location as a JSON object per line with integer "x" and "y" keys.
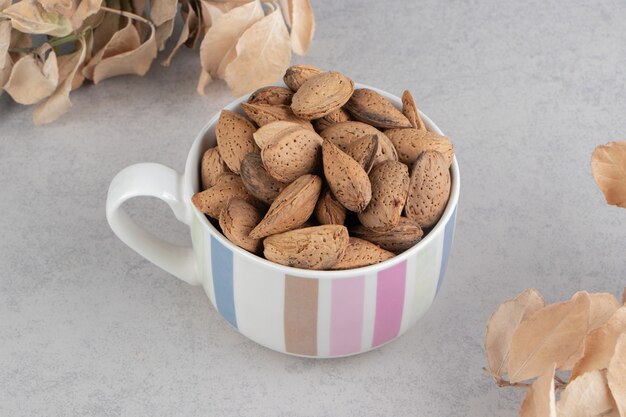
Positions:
{"x": 295, "y": 153}
{"x": 257, "y": 181}
{"x": 234, "y": 138}
{"x": 429, "y": 189}
{"x": 263, "y": 114}
{"x": 211, "y": 167}
{"x": 364, "y": 150}
{"x": 335, "y": 116}
{"x": 297, "y": 75}
{"x": 402, "y": 237}
{"x": 370, "y": 107}
{"x": 271, "y": 95}
{"x": 318, "y": 247}
{"x": 270, "y": 132}
{"x": 346, "y": 178}
{"x": 328, "y": 210}
{"x": 237, "y": 219}
{"x": 410, "y": 143}
{"x": 322, "y": 94}
{"x": 410, "y": 111}
{"x": 212, "y": 201}
{"x": 293, "y": 206}
{"x": 360, "y": 253}
{"x": 390, "y": 186}
{"x": 343, "y": 134}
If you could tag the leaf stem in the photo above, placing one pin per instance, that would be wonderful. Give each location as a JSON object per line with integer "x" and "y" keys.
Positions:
{"x": 126, "y": 14}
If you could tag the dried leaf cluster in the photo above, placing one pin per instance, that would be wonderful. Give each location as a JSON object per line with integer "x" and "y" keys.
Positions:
{"x": 50, "y": 47}
{"x": 608, "y": 164}
{"x": 584, "y": 337}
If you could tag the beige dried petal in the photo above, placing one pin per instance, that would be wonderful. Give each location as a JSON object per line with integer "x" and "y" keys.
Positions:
{"x": 62, "y": 7}
{"x": 162, "y": 10}
{"x": 616, "y": 374}
{"x": 29, "y": 16}
{"x": 109, "y": 25}
{"x": 59, "y": 102}
{"x": 136, "y": 61}
{"x": 263, "y": 54}
{"x": 210, "y": 14}
{"x": 302, "y": 25}
{"x": 602, "y": 307}
{"x": 608, "y": 164}
{"x": 163, "y": 33}
{"x": 203, "y": 81}
{"x": 31, "y": 81}
{"x": 587, "y": 396}
{"x": 191, "y": 21}
{"x": 552, "y": 334}
{"x": 84, "y": 9}
{"x": 5, "y": 59}
{"x": 224, "y": 33}
{"x": 540, "y": 400}
{"x": 599, "y": 344}
{"x": 503, "y": 323}
{"x": 4, "y": 4}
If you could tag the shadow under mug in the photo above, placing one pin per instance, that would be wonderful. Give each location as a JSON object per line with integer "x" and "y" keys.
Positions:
{"x": 317, "y": 314}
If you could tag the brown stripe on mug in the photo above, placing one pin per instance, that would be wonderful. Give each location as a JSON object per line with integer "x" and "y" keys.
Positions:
{"x": 301, "y": 315}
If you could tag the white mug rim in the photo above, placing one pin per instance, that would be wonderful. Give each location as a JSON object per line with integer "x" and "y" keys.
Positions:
{"x": 192, "y": 168}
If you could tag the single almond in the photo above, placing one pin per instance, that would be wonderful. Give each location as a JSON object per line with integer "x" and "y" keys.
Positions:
{"x": 295, "y": 153}
{"x": 212, "y": 201}
{"x": 318, "y": 247}
{"x": 257, "y": 181}
{"x": 360, "y": 253}
{"x": 271, "y": 95}
{"x": 270, "y": 132}
{"x": 296, "y": 75}
{"x": 410, "y": 111}
{"x": 390, "y": 187}
{"x": 263, "y": 114}
{"x": 346, "y": 178}
{"x": 211, "y": 167}
{"x": 402, "y": 237}
{"x": 237, "y": 219}
{"x": 293, "y": 206}
{"x": 364, "y": 150}
{"x": 410, "y": 143}
{"x": 429, "y": 189}
{"x": 370, "y": 107}
{"x": 328, "y": 210}
{"x": 234, "y": 138}
{"x": 343, "y": 134}
{"x": 335, "y": 116}
{"x": 321, "y": 94}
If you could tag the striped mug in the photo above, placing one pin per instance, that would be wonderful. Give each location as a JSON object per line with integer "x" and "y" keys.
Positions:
{"x": 318, "y": 314}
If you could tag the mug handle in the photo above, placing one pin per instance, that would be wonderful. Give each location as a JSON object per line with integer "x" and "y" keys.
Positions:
{"x": 164, "y": 183}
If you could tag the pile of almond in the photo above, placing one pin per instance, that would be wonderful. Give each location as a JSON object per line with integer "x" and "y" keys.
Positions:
{"x": 323, "y": 176}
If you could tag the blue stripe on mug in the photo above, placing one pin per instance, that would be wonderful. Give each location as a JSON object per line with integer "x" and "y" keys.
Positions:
{"x": 222, "y": 269}
{"x": 447, "y": 245}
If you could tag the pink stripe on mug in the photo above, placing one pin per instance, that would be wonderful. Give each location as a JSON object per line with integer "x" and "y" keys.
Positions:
{"x": 389, "y": 303}
{"x": 346, "y": 321}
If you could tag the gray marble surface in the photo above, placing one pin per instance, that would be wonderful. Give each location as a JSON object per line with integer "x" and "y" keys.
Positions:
{"x": 525, "y": 89}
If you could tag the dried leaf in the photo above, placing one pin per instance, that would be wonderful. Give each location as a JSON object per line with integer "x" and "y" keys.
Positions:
{"x": 162, "y": 10}
{"x": 205, "y": 78}
{"x": 608, "y": 164}
{"x": 139, "y": 6}
{"x": 302, "y": 25}
{"x": 28, "y": 16}
{"x": 617, "y": 374}
{"x": 190, "y": 21}
{"x": 263, "y": 55}
{"x": 31, "y": 81}
{"x": 62, "y": 7}
{"x": 59, "y": 102}
{"x": 285, "y": 6}
{"x": 624, "y": 297}
{"x": 124, "y": 40}
{"x": 210, "y": 13}
{"x": 599, "y": 345}
{"x": 587, "y": 396}
{"x": 552, "y": 334}
{"x": 503, "y": 323}
{"x": 224, "y": 34}
{"x": 5, "y": 58}
{"x": 84, "y": 9}
{"x": 107, "y": 28}
{"x": 540, "y": 399}
{"x": 601, "y": 308}
{"x": 4, "y": 4}
{"x": 163, "y": 33}
{"x": 117, "y": 59}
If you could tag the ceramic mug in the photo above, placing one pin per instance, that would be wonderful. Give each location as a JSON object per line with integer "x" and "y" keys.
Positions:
{"x": 316, "y": 314}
